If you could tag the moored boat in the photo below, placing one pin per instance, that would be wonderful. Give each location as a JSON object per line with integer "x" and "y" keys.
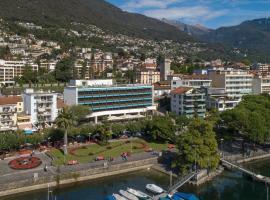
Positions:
{"x": 128, "y": 195}
{"x": 119, "y": 197}
{"x": 111, "y": 197}
{"x": 185, "y": 196}
{"x": 154, "y": 188}
{"x": 137, "y": 193}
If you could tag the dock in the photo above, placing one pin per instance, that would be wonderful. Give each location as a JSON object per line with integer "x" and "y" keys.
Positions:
{"x": 179, "y": 183}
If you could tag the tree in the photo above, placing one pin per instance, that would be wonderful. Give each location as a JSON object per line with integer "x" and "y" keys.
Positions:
{"x": 198, "y": 145}
{"x": 162, "y": 128}
{"x": 84, "y": 70}
{"x": 5, "y": 53}
{"x": 28, "y": 75}
{"x": 79, "y": 112}
{"x": 250, "y": 118}
{"x": 65, "y": 120}
{"x": 64, "y": 69}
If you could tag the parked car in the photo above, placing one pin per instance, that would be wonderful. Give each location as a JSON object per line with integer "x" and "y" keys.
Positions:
{"x": 123, "y": 137}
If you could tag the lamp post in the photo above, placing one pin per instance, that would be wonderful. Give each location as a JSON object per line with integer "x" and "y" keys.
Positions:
{"x": 195, "y": 148}
{"x": 221, "y": 146}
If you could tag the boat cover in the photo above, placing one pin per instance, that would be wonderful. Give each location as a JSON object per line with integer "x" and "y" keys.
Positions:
{"x": 110, "y": 198}
{"x": 185, "y": 196}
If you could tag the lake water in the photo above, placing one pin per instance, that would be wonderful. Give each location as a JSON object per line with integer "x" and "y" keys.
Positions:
{"x": 230, "y": 185}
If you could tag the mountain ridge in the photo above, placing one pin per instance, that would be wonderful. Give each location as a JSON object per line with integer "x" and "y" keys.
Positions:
{"x": 96, "y": 12}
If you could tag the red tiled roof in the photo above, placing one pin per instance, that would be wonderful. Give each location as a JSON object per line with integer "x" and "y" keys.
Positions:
{"x": 4, "y": 100}
{"x": 181, "y": 90}
{"x": 60, "y": 103}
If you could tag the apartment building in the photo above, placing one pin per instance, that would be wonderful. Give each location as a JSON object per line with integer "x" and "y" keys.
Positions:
{"x": 6, "y": 75}
{"x": 188, "y": 101}
{"x": 42, "y": 106}
{"x": 49, "y": 66}
{"x": 236, "y": 82}
{"x": 218, "y": 99}
{"x": 261, "y": 84}
{"x": 147, "y": 77}
{"x": 18, "y": 66}
{"x": 116, "y": 102}
{"x": 261, "y": 68}
{"x": 195, "y": 81}
{"x": 150, "y": 64}
{"x": 9, "y": 108}
{"x": 162, "y": 88}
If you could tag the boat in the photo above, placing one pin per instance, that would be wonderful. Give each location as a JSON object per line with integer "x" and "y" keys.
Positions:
{"x": 111, "y": 197}
{"x": 137, "y": 193}
{"x": 184, "y": 196}
{"x": 154, "y": 188}
{"x": 118, "y": 197}
{"x": 128, "y": 195}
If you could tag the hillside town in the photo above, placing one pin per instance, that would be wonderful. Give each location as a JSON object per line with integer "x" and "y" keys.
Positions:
{"x": 214, "y": 84}
{"x": 78, "y": 99}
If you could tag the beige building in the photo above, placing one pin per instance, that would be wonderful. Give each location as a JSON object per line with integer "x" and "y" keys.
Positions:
{"x": 261, "y": 84}
{"x": 235, "y": 82}
{"x": 9, "y": 106}
{"x": 18, "y": 66}
{"x": 147, "y": 77}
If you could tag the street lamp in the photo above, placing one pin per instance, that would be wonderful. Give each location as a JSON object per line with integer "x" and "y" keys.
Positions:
{"x": 221, "y": 146}
{"x": 195, "y": 146}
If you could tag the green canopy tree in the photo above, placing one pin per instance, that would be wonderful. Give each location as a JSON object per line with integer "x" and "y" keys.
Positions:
{"x": 198, "y": 145}
{"x": 161, "y": 128}
{"x": 250, "y": 118}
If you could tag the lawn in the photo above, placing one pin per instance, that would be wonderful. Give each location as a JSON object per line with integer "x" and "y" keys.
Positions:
{"x": 114, "y": 149}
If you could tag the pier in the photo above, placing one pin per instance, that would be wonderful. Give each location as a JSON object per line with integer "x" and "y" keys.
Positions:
{"x": 179, "y": 183}
{"x": 254, "y": 176}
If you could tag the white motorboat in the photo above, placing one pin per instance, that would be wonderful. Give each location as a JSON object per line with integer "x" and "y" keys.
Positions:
{"x": 128, "y": 195}
{"x": 119, "y": 197}
{"x": 154, "y": 188}
{"x": 137, "y": 193}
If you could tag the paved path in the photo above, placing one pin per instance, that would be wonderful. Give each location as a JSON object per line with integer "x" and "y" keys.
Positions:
{"x": 8, "y": 175}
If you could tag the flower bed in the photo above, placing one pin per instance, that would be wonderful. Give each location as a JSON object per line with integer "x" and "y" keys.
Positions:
{"x": 24, "y": 163}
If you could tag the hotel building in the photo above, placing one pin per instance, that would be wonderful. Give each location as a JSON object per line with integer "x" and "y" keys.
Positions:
{"x": 104, "y": 99}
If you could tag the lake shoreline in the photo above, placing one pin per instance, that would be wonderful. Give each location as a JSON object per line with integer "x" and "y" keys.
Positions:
{"x": 132, "y": 167}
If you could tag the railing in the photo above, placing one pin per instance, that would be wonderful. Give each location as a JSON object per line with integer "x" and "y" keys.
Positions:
{"x": 181, "y": 181}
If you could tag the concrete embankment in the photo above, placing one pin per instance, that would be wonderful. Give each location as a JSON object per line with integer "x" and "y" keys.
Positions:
{"x": 74, "y": 177}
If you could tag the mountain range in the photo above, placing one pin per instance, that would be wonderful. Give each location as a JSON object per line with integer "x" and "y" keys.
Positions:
{"x": 251, "y": 36}
{"x": 97, "y": 12}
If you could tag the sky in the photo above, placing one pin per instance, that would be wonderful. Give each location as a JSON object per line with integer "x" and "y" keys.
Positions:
{"x": 209, "y": 13}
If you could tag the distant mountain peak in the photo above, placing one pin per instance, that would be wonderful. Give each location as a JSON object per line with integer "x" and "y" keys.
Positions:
{"x": 196, "y": 29}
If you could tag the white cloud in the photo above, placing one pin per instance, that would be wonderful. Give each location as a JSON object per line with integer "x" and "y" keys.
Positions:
{"x": 192, "y": 13}
{"x": 135, "y": 4}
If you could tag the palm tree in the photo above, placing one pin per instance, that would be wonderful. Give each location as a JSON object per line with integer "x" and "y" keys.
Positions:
{"x": 65, "y": 120}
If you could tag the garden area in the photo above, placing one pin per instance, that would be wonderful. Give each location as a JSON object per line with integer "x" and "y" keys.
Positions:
{"x": 89, "y": 153}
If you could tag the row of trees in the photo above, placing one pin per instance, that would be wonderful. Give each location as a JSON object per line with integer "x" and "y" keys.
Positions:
{"x": 195, "y": 138}
{"x": 250, "y": 118}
